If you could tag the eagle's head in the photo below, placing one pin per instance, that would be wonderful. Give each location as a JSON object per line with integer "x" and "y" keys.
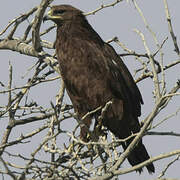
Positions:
{"x": 63, "y": 13}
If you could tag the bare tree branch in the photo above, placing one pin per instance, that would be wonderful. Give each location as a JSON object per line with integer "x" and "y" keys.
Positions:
{"x": 37, "y": 23}
{"x": 66, "y": 155}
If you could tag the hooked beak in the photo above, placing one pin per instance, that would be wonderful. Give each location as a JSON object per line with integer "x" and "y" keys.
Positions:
{"x": 48, "y": 16}
{"x": 52, "y": 17}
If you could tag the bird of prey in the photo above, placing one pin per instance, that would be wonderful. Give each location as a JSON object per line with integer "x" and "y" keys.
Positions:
{"x": 94, "y": 74}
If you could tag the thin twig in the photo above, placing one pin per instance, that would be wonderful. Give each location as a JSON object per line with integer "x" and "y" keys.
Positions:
{"x": 102, "y": 7}
{"x": 171, "y": 28}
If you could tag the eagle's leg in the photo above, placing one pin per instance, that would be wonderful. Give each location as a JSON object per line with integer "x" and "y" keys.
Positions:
{"x": 84, "y": 130}
{"x": 99, "y": 131}
{"x": 85, "y": 133}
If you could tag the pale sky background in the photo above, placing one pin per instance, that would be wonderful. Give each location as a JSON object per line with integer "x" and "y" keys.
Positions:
{"x": 114, "y": 21}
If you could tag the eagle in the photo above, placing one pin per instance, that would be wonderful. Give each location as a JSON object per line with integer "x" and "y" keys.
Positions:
{"x": 94, "y": 74}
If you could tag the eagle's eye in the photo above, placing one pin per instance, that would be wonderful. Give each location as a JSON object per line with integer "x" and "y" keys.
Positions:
{"x": 58, "y": 12}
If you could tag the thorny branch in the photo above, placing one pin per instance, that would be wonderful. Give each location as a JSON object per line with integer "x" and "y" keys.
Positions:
{"x": 66, "y": 155}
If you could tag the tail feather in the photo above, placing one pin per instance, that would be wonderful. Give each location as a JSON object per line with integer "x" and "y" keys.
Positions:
{"x": 122, "y": 129}
{"x": 138, "y": 155}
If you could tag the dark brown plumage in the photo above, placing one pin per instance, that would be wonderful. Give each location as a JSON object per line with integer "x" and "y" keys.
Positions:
{"x": 94, "y": 74}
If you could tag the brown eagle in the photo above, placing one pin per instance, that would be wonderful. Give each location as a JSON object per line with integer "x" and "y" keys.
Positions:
{"x": 94, "y": 74}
